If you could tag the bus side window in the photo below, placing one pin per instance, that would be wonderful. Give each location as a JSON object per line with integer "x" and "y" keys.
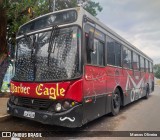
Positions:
{"x": 142, "y": 66}
{"x": 148, "y": 66}
{"x": 151, "y": 67}
{"x": 113, "y": 52}
{"x": 135, "y": 62}
{"x": 126, "y": 56}
{"x": 95, "y": 57}
{"x": 117, "y": 54}
{"x": 146, "y": 62}
{"x": 101, "y": 53}
{"x": 110, "y": 51}
{"x": 94, "y": 54}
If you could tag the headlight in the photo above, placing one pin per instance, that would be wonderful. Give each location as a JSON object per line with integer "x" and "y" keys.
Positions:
{"x": 58, "y": 107}
{"x": 62, "y": 105}
{"x": 66, "y": 105}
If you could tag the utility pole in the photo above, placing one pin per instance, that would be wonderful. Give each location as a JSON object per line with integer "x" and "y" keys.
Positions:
{"x": 80, "y": 2}
{"x": 54, "y": 4}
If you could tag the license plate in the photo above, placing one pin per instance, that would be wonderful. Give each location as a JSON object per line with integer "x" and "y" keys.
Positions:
{"x": 29, "y": 114}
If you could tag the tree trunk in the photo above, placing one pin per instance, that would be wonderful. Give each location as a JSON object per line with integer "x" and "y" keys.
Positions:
{"x": 3, "y": 43}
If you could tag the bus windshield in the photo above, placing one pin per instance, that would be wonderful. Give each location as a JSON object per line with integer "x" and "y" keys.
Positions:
{"x": 48, "y": 56}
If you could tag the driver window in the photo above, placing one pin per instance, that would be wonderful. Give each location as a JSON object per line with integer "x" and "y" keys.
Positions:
{"x": 96, "y": 57}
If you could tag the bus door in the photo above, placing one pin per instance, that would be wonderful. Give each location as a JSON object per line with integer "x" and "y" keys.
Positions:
{"x": 94, "y": 79}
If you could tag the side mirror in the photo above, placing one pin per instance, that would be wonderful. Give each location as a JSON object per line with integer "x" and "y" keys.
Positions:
{"x": 91, "y": 41}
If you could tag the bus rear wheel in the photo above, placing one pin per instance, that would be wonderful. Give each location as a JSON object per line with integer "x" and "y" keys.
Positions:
{"x": 147, "y": 92}
{"x": 116, "y": 102}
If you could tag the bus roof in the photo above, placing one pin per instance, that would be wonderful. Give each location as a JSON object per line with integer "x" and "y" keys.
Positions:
{"x": 110, "y": 31}
{"x": 81, "y": 11}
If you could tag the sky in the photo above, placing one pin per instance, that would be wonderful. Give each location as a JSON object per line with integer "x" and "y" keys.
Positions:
{"x": 137, "y": 21}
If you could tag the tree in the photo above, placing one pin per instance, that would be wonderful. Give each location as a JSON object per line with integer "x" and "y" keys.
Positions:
{"x": 93, "y": 7}
{"x": 157, "y": 70}
{"x": 14, "y": 13}
{"x": 3, "y": 42}
{"x": 89, "y": 5}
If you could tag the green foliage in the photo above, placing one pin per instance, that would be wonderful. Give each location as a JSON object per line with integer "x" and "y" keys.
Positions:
{"x": 157, "y": 70}
{"x": 17, "y": 14}
{"x": 90, "y": 6}
{"x": 93, "y": 7}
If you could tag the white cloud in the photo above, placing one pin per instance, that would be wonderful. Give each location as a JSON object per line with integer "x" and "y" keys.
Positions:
{"x": 137, "y": 21}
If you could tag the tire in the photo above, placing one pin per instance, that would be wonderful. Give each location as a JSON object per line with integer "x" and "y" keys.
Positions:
{"x": 116, "y": 102}
{"x": 147, "y": 92}
{"x": 152, "y": 86}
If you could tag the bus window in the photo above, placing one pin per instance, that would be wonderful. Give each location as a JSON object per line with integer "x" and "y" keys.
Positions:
{"x": 151, "y": 67}
{"x": 148, "y": 66}
{"x": 117, "y": 54}
{"x": 146, "y": 62}
{"x": 97, "y": 56}
{"x": 142, "y": 63}
{"x": 126, "y": 58}
{"x": 94, "y": 55}
{"x": 110, "y": 51}
{"x": 135, "y": 62}
{"x": 113, "y": 52}
{"x": 101, "y": 53}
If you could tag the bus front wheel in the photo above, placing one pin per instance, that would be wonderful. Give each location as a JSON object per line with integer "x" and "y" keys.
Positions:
{"x": 116, "y": 102}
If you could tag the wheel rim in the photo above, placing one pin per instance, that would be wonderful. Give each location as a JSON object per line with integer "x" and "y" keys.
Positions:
{"x": 116, "y": 100}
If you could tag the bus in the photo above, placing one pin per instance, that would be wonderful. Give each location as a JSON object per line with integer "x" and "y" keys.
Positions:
{"x": 70, "y": 69}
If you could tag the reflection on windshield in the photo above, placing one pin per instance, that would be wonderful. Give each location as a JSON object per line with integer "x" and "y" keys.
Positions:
{"x": 63, "y": 61}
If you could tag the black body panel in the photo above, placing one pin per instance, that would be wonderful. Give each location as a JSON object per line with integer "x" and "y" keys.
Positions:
{"x": 99, "y": 106}
{"x": 71, "y": 118}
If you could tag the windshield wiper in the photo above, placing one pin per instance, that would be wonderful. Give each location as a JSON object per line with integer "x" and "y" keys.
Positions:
{"x": 54, "y": 33}
{"x": 29, "y": 40}
{"x": 33, "y": 47}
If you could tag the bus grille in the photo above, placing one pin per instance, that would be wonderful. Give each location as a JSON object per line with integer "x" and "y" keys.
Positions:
{"x": 34, "y": 103}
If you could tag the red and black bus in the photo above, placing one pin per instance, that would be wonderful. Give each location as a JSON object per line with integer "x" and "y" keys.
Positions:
{"x": 71, "y": 69}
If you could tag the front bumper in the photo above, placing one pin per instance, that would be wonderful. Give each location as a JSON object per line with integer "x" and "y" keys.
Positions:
{"x": 71, "y": 118}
